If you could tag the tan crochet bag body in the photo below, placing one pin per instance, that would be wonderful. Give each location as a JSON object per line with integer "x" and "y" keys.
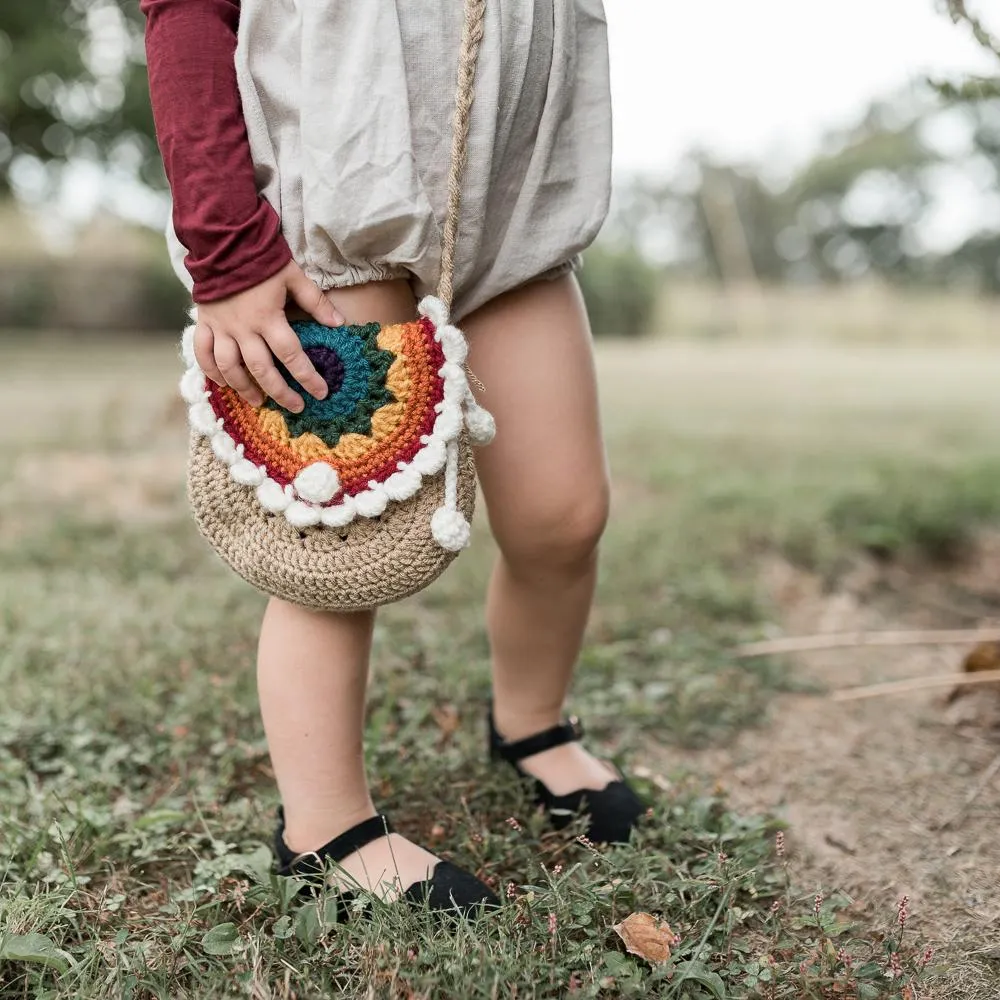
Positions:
{"x": 366, "y": 496}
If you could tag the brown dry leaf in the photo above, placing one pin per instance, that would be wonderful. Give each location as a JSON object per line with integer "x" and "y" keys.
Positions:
{"x": 446, "y": 717}
{"x": 986, "y": 656}
{"x": 646, "y": 937}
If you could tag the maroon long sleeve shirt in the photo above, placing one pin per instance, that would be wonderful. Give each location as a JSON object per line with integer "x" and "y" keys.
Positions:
{"x": 232, "y": 234}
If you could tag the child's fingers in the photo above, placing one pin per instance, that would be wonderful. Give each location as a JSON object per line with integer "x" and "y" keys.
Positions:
{"x": 308, "y": 295}
{"x": 229, "y": 357}
{"x": 204, "y": 353}
{"x": 259, "y": 362}
{"x": 286, "y": 347}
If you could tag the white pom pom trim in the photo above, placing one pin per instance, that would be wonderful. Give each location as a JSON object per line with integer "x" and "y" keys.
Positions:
{"x": 373, "y": 501}
{"x": 318, "y": 483}
{"x": 403, "y": 484}
{"x": 340, "y": 515}
{"x": 246, "y": 473}
{"x": 187, "y": 347}
{"x": 480, "y": 424}
{"x": 453, "y": 343}
{"x": 193, "y": 386}
{"x": 203, "y": 418}
{"x": 429, "y": 461}
{"x": 454, "y": 392}
{"x": 273, "y": 497}
{"x": 225, "y": 448}
{"x": 449, "y": 422}
{"x": 302, "y": 515}
{"x": 450, "y": 529}
{"x": 435, "y": 310}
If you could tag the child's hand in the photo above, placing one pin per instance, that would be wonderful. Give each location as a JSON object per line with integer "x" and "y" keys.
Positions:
{"x": 240, "y": 336}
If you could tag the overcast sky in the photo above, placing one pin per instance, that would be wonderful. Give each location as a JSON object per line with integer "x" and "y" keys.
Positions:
{"x": 751, "y": 77}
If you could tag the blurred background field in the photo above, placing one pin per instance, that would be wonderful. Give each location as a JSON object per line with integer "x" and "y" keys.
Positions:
{"x": 798, "y": 356}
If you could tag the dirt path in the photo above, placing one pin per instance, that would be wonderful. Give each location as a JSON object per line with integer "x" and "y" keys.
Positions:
{"x": 875, "y": 791}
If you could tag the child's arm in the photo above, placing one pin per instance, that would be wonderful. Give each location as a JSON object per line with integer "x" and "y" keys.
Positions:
{"x": 242, "y": 268}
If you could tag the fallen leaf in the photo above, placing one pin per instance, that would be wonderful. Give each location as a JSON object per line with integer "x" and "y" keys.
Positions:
{"x": 646, "y": 937}
{"x": 446, "y": 717}
{"x": 985, "y": 656}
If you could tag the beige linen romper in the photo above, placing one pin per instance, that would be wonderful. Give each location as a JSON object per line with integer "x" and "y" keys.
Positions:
{"x": 348, "y": 105}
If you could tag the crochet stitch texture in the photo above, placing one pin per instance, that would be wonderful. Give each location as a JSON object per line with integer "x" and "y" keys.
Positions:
{"x": 369, "y": 423}
{"x": 354, "y": 368}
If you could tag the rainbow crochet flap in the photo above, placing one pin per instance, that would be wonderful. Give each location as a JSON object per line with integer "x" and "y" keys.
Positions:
{"x": 398, "y": 401}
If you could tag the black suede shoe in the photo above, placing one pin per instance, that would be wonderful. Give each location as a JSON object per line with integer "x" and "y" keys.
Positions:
{"x": 613, "y": 811}
{"x": 450, "y": 889}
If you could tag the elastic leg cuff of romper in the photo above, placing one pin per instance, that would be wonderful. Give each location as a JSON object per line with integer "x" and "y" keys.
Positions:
{"x": 353, "y": 275}
{"x": 571, "y": 266}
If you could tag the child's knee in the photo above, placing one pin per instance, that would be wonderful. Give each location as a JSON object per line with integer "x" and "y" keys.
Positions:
{"x": 560, "y": 536}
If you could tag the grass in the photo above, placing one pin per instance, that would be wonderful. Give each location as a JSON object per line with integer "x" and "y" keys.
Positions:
{"x": 136, "y": 798}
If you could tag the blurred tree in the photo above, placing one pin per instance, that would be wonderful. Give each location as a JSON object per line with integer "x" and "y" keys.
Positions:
{"x": 855, "y": 209}
{"x": 621, "y": 288}
{"x": 977, "y": 261}
{"x": 73, "y": 86}
{"x": 977, "y": 87}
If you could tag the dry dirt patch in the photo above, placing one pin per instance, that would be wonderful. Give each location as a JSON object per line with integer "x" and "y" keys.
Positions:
{"x": 876, "y": 793}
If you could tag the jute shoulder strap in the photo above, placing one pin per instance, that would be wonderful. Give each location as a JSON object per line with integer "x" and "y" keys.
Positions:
{"x": 472, "y": 37}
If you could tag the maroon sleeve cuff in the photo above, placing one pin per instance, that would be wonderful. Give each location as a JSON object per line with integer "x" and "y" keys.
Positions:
{"x": 271, "y": 254}
{"x": 232, "y": 235}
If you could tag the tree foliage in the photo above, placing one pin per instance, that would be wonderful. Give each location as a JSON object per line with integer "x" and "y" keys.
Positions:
{"x": 976, "y": 87}
{"x": 854, "y": 209}
{"x": 73, "y": 85}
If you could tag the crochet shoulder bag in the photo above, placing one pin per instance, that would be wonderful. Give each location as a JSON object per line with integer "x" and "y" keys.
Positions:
{"x": 365, "y": 497}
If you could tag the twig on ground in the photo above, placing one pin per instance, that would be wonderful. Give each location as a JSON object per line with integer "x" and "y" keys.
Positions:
{"x": 988, "y": 775}
{"x": 915, "y": 684}
{"x": 851, "y": 640}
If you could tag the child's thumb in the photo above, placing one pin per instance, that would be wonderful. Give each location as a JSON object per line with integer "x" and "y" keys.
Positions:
{"x": 307, "y": 294}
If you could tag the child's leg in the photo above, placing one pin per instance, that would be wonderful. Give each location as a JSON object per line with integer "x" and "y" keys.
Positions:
{"x": 312, "y": 673}
{"x": 546, "y": 487}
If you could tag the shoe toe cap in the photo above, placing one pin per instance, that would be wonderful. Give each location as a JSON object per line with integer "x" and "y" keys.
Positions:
{"x": 614, "y": 813}
{"x": 452, "y": 889}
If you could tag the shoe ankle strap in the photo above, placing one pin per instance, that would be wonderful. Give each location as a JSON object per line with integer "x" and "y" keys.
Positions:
{"x": 358, "y": 836}
{"x": 515, "y": 750}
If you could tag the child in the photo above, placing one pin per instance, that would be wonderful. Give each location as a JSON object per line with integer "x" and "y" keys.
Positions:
{"x": 307, "y": 144}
